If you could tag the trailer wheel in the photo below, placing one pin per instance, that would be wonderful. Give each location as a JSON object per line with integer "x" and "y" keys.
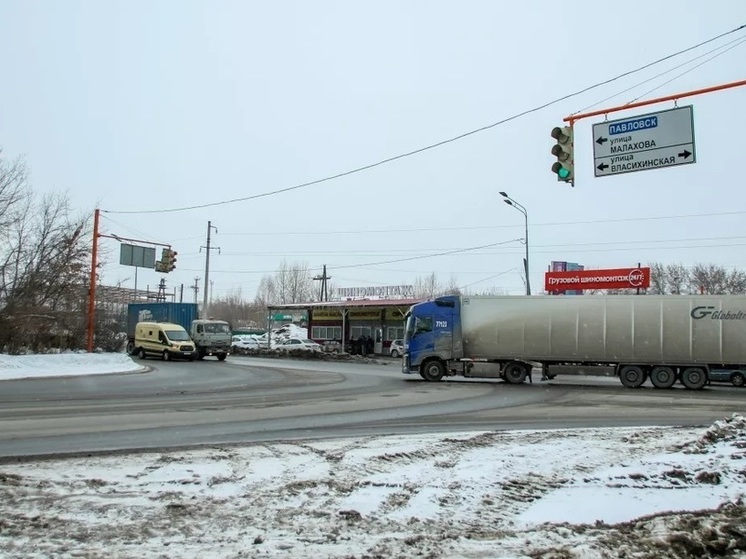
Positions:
{"x": 663, "y": 377}
{"x": 515, "y": 373}
{"x": 433, "y": 370}
{"x": 222, "y": 356}
{"x": 737, "y": 379}
{"x": 632, "y": 376}
{"x": 693, "y": 378}
{"x": 130, "y": 348}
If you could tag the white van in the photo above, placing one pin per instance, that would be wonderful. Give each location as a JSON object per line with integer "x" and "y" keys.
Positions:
{"x": 164, "y": 340}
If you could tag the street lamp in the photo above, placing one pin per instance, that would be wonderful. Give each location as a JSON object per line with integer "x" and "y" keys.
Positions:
{"x": 510, "y": 202}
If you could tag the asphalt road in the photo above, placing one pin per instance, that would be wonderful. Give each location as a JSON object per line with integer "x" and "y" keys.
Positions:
{"x": 246, "y": 399}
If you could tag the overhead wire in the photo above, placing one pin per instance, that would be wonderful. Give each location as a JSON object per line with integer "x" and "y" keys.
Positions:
{"x": 713, "y": 57}
{"x": 436, "y": 144}
{"x": 734, "y": 42}
{"x": 486, "y": 227}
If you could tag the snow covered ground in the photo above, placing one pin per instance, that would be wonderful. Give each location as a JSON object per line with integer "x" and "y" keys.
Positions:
{"x": 581, "y": 493}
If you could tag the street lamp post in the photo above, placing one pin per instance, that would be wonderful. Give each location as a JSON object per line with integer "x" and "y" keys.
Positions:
{"x": 511, "y": 202}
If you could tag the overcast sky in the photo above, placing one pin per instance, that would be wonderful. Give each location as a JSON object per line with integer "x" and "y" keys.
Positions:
{"x": 155, "y": 106}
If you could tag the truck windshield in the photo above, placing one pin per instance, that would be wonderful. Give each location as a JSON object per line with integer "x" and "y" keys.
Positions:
{"x": 177, "y": 335}
{"x": 409, "y": 325}
{"x": 217, "y": 328}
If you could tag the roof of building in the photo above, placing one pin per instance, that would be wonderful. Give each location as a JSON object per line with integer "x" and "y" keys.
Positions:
{"x": 351, "y": 304}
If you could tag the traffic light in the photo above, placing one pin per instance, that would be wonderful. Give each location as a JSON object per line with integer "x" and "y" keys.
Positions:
{"x": 170, "y": 260}
{"x": 167, "y": 263}
{"x": 564, "y": 167}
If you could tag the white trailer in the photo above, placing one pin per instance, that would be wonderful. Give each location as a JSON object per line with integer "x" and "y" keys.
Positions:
{"x": 665, "y": 338}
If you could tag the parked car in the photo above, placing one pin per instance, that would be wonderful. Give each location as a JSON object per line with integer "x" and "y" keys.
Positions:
{"x": 736, "y": 377}
{"x": 298, "y": 343}
{"x": 241, "y": 344}
{"x": 397, "y": 348}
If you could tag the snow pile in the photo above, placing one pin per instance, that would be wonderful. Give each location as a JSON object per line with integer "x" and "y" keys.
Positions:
{"x": 284, "y": 333}
{"x": 586, "y": 493}
{"x": 65, "y": 364}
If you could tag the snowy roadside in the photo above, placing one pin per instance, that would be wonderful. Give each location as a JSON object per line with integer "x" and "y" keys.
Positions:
{"x": 553, "y": 494}
{"x": 65, "y": 364}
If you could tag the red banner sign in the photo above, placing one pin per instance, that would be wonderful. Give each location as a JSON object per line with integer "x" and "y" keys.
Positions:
{"x": 617, "y": 278}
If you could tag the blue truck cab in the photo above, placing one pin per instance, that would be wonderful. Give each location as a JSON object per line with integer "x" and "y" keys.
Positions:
{"x": 432, "y": 337}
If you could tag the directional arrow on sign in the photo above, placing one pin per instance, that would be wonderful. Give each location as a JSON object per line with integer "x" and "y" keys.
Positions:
{"x": 684, "y": 154}
{"x": 601, "y": 141}
{"x": 602, "y": 167}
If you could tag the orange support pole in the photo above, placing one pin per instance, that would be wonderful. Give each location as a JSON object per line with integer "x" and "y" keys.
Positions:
{"x": 572, "y": 118}
{"x": 92, "y": 286}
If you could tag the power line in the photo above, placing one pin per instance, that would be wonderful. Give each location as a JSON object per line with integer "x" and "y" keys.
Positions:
{"x": 436, "y": 144}
{"x": 484, "y": 227}
{"x": 739, "y": 40}
{"x": 713, "y": 57}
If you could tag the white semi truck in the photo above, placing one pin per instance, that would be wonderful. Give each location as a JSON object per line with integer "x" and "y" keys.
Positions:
{"x": 664, "y": 338}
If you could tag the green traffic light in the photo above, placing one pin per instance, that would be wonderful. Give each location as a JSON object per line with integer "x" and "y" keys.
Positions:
{"x": 563, "y": 173}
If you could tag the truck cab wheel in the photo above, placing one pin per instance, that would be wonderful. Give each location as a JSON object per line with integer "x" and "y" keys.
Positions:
{"x": 433, "y": 370}
{"x": 663, "y": 377}
{"x": 693, "y": 378}
{"x": 515, "y": 373}
{"x": 632, "y": 376}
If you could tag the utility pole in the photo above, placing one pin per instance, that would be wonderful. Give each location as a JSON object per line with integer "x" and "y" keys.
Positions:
{"x": 208, "y": 248}
{"x": 323, "y": 293}
{"x": 195, "y": 288}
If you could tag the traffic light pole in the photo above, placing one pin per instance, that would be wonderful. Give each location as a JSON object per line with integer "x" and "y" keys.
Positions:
{"x": 94, "y": 266}
{"x": 573, "y": 118}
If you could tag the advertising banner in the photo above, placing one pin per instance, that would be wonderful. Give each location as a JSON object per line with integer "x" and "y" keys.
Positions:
{"x": 616, "y": 278}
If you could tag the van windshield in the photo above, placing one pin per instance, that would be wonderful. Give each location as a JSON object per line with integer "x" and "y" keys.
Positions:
{"x": 177, "y": 335}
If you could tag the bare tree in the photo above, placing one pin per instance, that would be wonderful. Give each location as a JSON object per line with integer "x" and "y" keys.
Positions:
{"x": 427, "y": 287}
{"x": 711, "y": 279}
{"x": 14, "y": 193}
{"x": 708, "y": 279}
{"x": 292, "y": 283}
{"x": 677, "y": 279}
{"x": 44, "y": 272}
{"x": 658, "y": 281}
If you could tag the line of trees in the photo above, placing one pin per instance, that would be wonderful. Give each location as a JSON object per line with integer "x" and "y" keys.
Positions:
{"x": 709, "y": 279}
{"x": 44, "y": 265}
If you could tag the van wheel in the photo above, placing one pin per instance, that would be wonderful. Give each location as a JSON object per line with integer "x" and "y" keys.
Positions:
{"x": 632, "y": 376}
{"x": 693, "y": 378}
{"x": 737, "y": 379}
{"x": 663, "y": 377}
{"x": 433, "y": 370}
{"x": 166, "y": 355}
{"x": 222, "y": 356}
{"x": 141, "y": 353}
{"x": 515, "y": 373}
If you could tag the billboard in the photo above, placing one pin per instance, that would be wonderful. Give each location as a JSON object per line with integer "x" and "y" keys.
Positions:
{"x": 615, "y": 278}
